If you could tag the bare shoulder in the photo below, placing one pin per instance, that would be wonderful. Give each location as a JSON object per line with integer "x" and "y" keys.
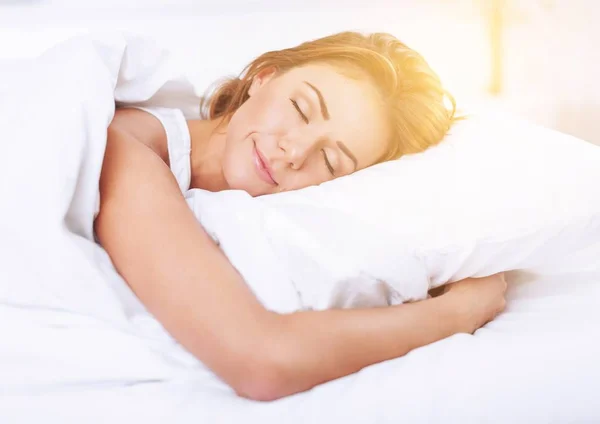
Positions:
{"x": 144, "y": 127}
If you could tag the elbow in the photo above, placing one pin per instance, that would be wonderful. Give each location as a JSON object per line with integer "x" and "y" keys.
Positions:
{"x": 266, "y": 381}
{"x": 270, "y": 369}
{"x": 267, "y": 364}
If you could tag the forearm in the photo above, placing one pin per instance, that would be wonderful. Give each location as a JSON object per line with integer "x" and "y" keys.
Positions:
{"x": 313, "y": 347}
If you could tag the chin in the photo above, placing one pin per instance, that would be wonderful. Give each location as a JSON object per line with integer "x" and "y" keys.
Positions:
{"x": 240, "y": 180}
{"x": 253, "y": 190}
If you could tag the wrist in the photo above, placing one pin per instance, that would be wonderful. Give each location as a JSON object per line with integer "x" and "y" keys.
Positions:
{"x": 457, "y": 313}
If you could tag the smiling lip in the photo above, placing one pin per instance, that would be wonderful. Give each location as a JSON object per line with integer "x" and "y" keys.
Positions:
{"x": 262, "y": 167}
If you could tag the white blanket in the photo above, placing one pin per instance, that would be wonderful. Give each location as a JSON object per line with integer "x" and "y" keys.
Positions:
{"x": 68, "y": 309}
{"x": 75, "y": 348}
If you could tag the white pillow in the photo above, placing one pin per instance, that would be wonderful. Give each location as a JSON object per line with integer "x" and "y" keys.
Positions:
{"x": 497, "y": 194}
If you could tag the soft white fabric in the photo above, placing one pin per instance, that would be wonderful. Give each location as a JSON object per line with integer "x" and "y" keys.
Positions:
{"x": 76, "y": 345}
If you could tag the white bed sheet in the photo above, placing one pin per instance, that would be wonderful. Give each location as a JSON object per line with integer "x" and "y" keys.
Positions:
{"x": 536, "y": 363}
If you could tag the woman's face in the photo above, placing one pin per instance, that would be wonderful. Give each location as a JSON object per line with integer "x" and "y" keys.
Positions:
{"x": 303, "y": 127}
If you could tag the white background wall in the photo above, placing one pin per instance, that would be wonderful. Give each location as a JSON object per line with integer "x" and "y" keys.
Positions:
{"x": 553, "y": 64}
{"x": 552, "y": 72}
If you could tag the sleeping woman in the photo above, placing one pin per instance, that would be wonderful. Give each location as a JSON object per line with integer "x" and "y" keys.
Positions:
{"x": 295, "y": 118}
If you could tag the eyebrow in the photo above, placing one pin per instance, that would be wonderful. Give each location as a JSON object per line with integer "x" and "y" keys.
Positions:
{"x": 322, "y": 103}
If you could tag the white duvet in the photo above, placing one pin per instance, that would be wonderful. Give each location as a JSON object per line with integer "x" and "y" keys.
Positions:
{"x": 73, "y": 349}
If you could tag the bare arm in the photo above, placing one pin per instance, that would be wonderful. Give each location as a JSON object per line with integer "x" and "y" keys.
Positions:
{"x": 185, "y": 280}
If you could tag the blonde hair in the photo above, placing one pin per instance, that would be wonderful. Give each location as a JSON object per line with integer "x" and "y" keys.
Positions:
{"x": 420, "y": 110}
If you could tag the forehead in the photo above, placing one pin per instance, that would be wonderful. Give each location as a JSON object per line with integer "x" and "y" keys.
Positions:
{"x": 357, "y": 114}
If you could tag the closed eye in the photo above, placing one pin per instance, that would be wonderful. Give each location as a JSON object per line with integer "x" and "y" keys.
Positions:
{"x": 302, "y": 115}
{"x": 328, "y": 164}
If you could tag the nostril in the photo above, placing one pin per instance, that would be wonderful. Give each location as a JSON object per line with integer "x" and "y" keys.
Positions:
{"x": 294, "y": 165}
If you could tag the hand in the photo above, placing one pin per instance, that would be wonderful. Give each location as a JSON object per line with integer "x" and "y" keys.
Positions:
{"x": 477, "y": 300}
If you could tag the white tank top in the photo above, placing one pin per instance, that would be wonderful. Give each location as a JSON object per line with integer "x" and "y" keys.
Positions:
{"x": 178, "y": 142}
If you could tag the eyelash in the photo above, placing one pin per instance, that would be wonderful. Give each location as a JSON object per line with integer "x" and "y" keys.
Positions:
{"x": 302, "y": 115}
{"x": 306, "y": 121}
{"x": 328, "y": 164}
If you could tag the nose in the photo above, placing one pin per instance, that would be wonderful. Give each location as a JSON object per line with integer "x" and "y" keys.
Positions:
{"x": 299, "y": 147}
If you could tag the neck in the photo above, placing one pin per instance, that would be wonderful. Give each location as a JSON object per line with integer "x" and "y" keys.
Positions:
{"x": 208, "y": 145}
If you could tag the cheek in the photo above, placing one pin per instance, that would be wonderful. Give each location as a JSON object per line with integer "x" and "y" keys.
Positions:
{"x": 237, "y": 165}
{"x": 311, "y": 174}
{"x": 266, "y": 112}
